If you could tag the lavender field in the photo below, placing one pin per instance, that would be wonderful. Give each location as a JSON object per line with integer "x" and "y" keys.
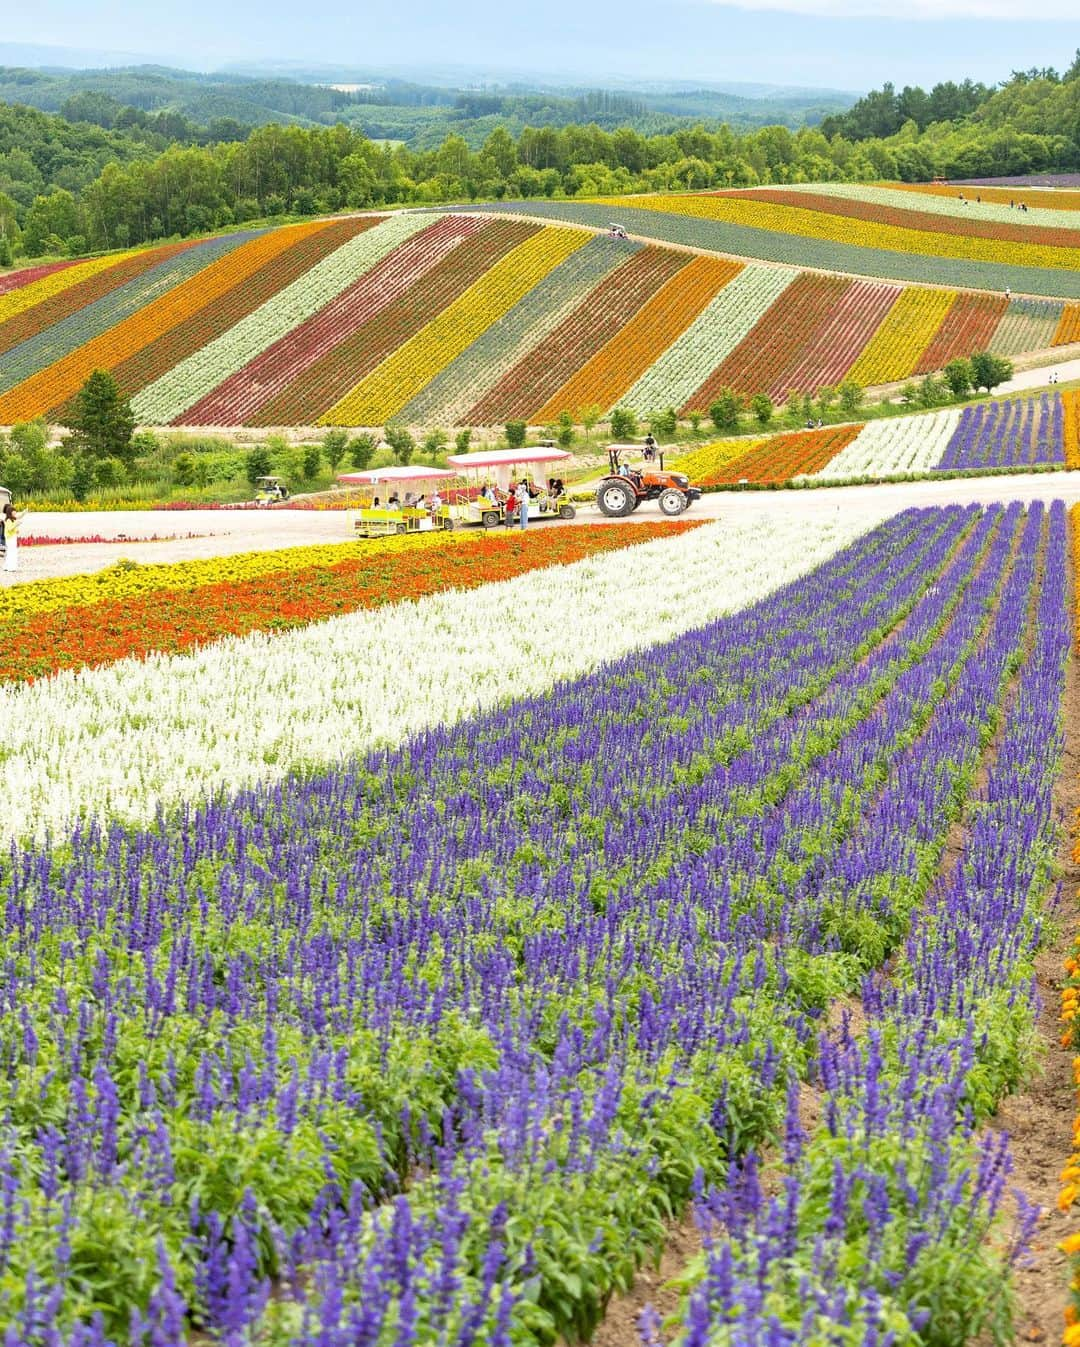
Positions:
{"x": 434, "y": 1046}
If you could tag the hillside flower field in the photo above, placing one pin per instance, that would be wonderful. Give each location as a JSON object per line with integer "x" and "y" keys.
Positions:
{"x": 524, "y": 311}
{"x": 398, "y": 970}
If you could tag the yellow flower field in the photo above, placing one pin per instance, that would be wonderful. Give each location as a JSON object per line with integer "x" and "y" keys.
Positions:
{"x": 122, "y": 581}
{"x": 382, "y": 393}
{"x": 909, "y": 327}
{"x": 813, "y": 224}
{"x": 701, "y": 463}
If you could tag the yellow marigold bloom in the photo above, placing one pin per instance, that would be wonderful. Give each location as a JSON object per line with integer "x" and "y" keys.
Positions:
{"x": 1066, "y": 1197}
{"x": 1071, "y": 1244}
{"x": 1071, "y": 1336}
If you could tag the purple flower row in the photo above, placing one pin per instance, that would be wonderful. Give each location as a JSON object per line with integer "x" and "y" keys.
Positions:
{"x": 861, "y": 1246}
{"x": 438, "y": 1040}
{"x": 1008, "y": 434}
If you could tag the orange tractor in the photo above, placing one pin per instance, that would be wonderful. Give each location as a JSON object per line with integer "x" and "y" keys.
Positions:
{"x": 624, "y": 487}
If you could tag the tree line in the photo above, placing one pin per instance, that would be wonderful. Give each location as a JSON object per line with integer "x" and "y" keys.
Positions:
{"x": 137, "y": 194}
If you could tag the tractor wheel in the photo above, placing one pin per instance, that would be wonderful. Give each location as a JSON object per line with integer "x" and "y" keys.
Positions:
{"x": 672, "y": 502}
{"x": 567, "y": 512}
{"x": 615, "y": 498}
{"x": 637, "y": 501}
{"x": 489, "y": 519}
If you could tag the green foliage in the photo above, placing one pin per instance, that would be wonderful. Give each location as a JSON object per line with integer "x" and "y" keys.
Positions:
{"x": 761, "y": 405}
{"x": 590, "y": 416}
{"x": 434, "y": 443}
{"x": 102, "y": 422}
{"x": 565, "y": 430}
{"x": 664, "y": 422}
{"x": 402, "y": 445}
{"x": 334, "y": 446}
{"x": 257, "y": 463}
{"x": 515, "y": 433}
{"x": 310, "y": 462}
{"x": 959, "y": 376}
{"x": 725, "y": 410}
{"x": 362, "y": 449}
{"x": 988, "y": 370}
{"x": 462, "y": 440}
{"x": 624, "y": 424}
{"x": 850, "y": 397}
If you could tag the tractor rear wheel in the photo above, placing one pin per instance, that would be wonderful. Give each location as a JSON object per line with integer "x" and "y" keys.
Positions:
{"x": 615, "y": 498}
{"x": 672, "y": 501}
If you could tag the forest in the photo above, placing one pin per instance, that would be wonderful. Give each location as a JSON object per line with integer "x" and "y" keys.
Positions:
{"x": 67, "y": 186}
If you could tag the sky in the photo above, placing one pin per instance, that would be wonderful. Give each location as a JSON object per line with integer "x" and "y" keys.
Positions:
{"x": 840, "y": 44}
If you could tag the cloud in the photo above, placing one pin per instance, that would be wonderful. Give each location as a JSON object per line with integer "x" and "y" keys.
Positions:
{"x": 917, "y": 9}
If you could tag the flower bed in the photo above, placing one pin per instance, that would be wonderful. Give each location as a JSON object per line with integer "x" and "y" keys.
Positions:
{"x": 166, "y": 618}
{"x": 429, "y": 1044}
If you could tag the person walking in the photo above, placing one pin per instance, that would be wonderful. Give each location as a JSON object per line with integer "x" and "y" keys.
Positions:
{"x": 11, "y": 538}
{"x": 521, "y": 495}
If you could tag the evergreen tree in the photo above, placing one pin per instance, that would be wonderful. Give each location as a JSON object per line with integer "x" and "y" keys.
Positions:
{"x": 103, "y": 423}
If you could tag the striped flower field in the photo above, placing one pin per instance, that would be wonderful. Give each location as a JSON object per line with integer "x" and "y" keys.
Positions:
{"x": 1009, "y": 433}
{"x": 393, "y": 954}
{"x": 478, "y": 317}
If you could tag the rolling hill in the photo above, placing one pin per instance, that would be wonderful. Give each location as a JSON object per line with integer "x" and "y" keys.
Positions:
{"x": 474, "y": 317}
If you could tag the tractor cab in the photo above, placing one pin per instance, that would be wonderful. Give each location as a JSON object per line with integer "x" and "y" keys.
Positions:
{"x": 268, "y": 490}
{"x": 489, "y": 478}
{"x": 399, "y": 499}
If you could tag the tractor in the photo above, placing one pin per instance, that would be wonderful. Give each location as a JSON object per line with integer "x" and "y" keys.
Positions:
{"x": 624, "y": 487}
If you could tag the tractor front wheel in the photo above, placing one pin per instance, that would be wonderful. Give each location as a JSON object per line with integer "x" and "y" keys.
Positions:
{"x": 615, "y": 499}
{"x": 672, "y": 502}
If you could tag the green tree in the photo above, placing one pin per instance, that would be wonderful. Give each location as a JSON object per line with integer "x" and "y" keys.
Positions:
{"x": 761, "y": 405}
{"x": 826, "y": 399}
{"x": 183, "y": 470}
{"x": 664, "y": 422}
{"x": 565, "y": 430}
{"x": 257, "y": 463}
{"x": 335, "y": 443}
{"x": 402, "y": 445}
{"x": 311, "y": 461}
{"x": 725, "y": 410}
{"x": 695, "y": 422}
{"x": 624, "y": 424}
{"x": 102, "y": 422}
{"x": 850, "y": 397}
{"x": 362, "y": 450}
{"x": 515, "y": 433}
{"x": 959, "y": 376}
{"x": 590, "y": 416}
{"x": 462, "y": 440}
{"x": 434, "y": 443}
{"x": 989, "y": 370}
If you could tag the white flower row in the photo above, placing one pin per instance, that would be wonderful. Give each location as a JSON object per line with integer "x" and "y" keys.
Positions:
{"x": 118, "y": 740}
{"x": 933, "y": 204}
{"x": 192, "y": 379}
{"x": 895, "y": 446}
{"x": 709, "y": 340}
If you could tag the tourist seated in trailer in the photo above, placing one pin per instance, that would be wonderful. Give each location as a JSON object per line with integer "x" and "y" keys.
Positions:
{"x": 394, "y": 502}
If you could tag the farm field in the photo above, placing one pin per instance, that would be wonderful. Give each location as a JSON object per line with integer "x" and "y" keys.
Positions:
{"x": 1008, "y": 433}
{"x": 475, "y": 318}
{"x": 419, "y": 1009}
